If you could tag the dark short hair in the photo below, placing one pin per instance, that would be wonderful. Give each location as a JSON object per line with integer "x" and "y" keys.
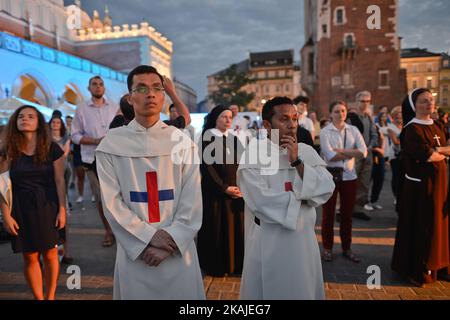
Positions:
{"x": 301, "y": 99}
{"x": 94, "y": 77}
{"x": 69, "y": 117}
{"x": 126, "y": 108}
{"x": 335, "y": 103}
{"x": 268, "y": 108}
{"x": 143, "y": 69}
{"x": 56, "y": 114}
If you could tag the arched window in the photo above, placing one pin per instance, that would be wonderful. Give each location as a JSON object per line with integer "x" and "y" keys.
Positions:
{"x": 72, "y": 94}
{"x": 28, "y": 88}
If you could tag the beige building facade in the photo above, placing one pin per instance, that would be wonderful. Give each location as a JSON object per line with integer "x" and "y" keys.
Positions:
{"x": 273, "y": 73}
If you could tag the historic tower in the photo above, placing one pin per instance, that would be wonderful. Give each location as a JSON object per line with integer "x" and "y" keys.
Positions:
{"x": 352, "y": 46}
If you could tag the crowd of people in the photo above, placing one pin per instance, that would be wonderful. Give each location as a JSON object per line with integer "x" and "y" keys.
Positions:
{"x": 175, "y": 220}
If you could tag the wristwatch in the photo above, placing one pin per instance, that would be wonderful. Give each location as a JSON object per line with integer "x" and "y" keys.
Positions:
{"x": 297, "y": 162}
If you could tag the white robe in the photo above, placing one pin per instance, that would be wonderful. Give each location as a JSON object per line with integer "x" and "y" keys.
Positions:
{"x": 282, "y": 257}
{"x": 123, "y": 158}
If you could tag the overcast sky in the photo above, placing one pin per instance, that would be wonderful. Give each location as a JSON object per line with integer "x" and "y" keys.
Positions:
{"x": 209, "y": 35}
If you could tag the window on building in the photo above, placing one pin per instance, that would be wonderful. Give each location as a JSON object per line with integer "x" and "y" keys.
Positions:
{"x": 445, "y": 88}
{"x": 445, "y": 101}
{"x": 429, "y": 67}
{"x": 336, "y": 81}
{"x": 282, "y": 73}
{"x": 414, "y": 84}
{"x": 339, "y": 15}
{"x": 429, "y": 83}
{"x": 277, "y": 88}
{"x": 414, "y": 68}
{"x": 287, "y": 88}
{"x": 266, "y": 89}
{"x": 347, "y": 79}
{"x": 349, "y": 41}
{"x": 311, "y": 63}
{"x": 383, "y": 79}
{"x": 446, "y": 63}
{"x": 277, "y": 75}
{"x": 266, "y": 74}
{"x": 324, "y": 29}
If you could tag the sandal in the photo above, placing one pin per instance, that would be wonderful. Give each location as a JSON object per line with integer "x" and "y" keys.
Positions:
{"x": 351, "y": 256}
{"x": 327, "y": 255}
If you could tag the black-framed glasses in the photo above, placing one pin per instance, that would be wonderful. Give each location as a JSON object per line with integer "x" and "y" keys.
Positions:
{"x": 145, "y": 89}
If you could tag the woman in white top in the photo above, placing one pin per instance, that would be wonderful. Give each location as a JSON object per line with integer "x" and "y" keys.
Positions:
{"x": 341, "y": 143}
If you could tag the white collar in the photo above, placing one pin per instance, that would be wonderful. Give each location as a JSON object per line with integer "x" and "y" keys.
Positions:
{"x": 333, "y": 127}
{"x": 219, "y": 133}
{"x": 423, "y": 122}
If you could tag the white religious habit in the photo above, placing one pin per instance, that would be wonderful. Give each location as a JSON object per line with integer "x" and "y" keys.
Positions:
{"x": 282, "y": 257}
{"x": 143, "y": 190}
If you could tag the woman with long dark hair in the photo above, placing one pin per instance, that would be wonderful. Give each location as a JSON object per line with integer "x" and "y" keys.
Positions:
{"x": 221, "y": 237}
{"x": 421, "y": 251}
{"x": 38, "y": 211}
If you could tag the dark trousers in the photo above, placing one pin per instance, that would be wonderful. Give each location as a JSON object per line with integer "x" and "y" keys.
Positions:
{"x": 347, "y": 196}
{"x": 395, "y": 182}
{"x": 378, "y": 171}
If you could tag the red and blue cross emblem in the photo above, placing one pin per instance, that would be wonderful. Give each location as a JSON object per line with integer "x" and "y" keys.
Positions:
{"x": 152, "y": 196}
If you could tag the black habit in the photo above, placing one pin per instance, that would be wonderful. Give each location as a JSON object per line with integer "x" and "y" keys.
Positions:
{"x": 221, "y": 237}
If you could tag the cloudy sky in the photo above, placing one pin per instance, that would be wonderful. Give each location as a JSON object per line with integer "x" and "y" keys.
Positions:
{"x": 209, "y": 35}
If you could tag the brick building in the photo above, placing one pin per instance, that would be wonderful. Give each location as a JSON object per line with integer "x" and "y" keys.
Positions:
{"x": 342, "y": 56}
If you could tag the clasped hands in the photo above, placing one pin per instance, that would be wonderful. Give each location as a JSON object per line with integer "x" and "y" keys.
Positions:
{"x": 160, "y": 247}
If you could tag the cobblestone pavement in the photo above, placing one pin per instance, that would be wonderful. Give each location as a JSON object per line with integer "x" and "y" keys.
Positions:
{"x": 372, "y": 241}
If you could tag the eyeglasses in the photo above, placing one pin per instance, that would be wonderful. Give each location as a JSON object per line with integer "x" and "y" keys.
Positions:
{"x": 365, "y": 101}
{"x": 145, "y": 90}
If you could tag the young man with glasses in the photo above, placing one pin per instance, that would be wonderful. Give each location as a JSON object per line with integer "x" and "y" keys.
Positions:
{"x": 152, "y": 198}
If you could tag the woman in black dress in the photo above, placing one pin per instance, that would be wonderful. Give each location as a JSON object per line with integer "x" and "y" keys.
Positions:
{"x": 36, "y": 169}
{"x": 221, "y": 237}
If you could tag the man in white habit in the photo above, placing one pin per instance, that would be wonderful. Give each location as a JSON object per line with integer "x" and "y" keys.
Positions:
{"x": 282, "y": 257}
{"x": 153, "y": 203}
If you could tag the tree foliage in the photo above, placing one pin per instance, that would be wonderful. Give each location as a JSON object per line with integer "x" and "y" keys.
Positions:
{"x": 230, "y": 83}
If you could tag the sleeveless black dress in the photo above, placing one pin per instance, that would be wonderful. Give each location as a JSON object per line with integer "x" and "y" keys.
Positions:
{"x": 35, "y": 203}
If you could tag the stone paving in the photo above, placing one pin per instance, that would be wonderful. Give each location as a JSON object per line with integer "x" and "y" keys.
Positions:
{"x": 372, "y": 241}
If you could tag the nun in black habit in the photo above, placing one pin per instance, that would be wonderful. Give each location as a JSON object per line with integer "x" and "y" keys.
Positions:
{"x": 421, "y": 251}
{"x": 221, "y": 238}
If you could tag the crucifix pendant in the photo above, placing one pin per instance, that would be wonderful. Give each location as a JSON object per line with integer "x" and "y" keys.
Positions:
{"x": 438, "y": 140}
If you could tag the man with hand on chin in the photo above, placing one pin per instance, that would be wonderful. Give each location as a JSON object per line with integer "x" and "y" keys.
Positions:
{"x": 282, "y": 258}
